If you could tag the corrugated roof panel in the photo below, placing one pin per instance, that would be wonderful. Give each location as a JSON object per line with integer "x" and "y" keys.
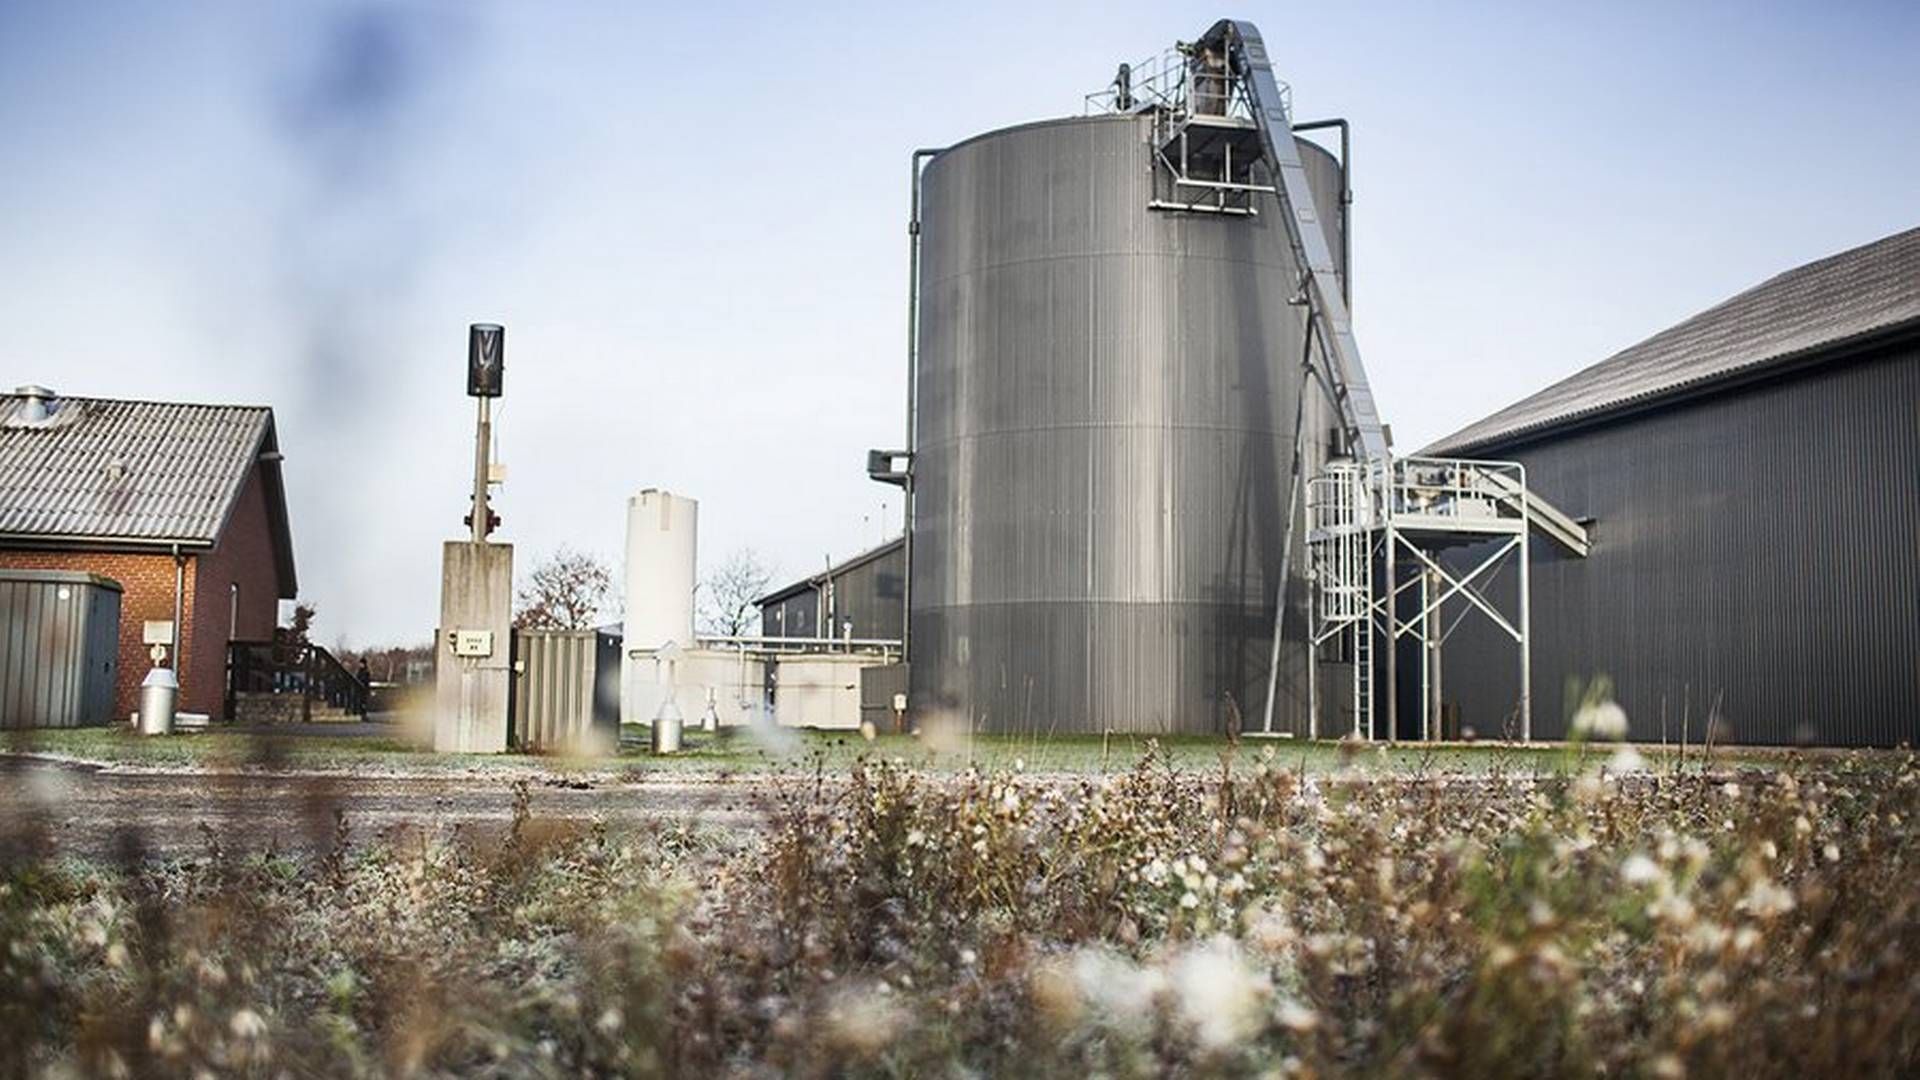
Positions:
{"x": 1846, "y": 297}
{"x": 125, "y": 469}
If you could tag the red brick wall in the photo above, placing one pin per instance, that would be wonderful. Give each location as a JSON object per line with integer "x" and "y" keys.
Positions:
{"x": 244, "y": 555}
{"x": 147, "y": 581}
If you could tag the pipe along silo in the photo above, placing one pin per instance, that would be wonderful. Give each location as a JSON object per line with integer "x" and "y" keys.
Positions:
{"x": 1107, "y": 381}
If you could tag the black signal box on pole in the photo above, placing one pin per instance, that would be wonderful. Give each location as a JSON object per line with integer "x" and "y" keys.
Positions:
{"x": 486, "y": 359}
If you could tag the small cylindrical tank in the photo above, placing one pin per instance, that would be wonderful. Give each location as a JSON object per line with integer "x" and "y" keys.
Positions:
{"x": 1106, "y": 418}
{"x": 157, "y": 693}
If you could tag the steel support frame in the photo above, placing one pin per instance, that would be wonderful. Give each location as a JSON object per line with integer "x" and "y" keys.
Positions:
{"x": 1438, "y": 584}
{"x": 1389, "y": 545}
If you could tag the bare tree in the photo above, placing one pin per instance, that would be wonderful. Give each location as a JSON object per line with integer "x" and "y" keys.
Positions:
{"x": 566, "y": 592}
{"x": 728, "y": 592}
{"x": 300, "y": 629}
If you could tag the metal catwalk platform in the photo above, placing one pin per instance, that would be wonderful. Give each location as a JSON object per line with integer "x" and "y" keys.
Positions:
{"x": 1375, "y": 534}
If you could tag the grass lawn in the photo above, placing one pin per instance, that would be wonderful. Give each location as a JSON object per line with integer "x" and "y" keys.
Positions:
{"x": 790, "y": 751}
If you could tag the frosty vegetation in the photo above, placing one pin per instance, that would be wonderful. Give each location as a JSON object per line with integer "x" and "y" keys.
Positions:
{"x": 1245, "y": 922}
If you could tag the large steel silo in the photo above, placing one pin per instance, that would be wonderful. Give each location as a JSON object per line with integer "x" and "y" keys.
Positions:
{"x": 1106, "y": 398}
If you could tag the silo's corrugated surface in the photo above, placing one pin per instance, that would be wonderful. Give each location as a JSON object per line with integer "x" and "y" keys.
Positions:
{"x": 1106, "y": 405}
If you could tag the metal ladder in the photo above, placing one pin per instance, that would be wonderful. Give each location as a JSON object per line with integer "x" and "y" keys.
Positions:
{"x": 1363, "y": 678}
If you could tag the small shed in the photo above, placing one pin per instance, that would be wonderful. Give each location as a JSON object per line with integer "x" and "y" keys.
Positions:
{"x": 566, "y": 690}
{"x": 59, "y": 648}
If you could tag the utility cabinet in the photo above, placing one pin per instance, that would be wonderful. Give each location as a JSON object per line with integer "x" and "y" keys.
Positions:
{"x": 59, "y": 648}
{"x": 566, "y": 691}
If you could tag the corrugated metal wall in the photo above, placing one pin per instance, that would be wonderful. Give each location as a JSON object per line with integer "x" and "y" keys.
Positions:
{"x": 59, "y": 648}
{"x": 1106, "y": 408}
{"x": 560, "y": 690}
{"x": 1759, "y": 549}
{"x": 878, "y": 685}
{"x": 871, "y": 594}
{"x": 794, "y": 616}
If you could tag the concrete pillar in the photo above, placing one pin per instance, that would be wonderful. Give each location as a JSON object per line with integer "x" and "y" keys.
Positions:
{"x": 475, "y": 677}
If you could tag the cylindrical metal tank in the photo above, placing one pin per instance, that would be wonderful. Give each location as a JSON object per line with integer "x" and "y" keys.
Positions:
{"x": 662, "y": 545}
{"x": 1106, "y": 408}
{"x": 662, "y": 549}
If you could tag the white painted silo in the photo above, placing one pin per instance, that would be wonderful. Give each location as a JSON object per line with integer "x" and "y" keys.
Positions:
{"x": 661, "y": 574}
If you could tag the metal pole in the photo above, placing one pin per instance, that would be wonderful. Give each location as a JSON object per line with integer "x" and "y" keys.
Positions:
{"x": 1439, "y": 681}
{"x": 1526, "y": 642}
{"x": 179, "y": 594}
{"x": 1286, "y": 544}
{"x": 1346, "y": 201}
{"x": 1313, "y": 663}
{"x": 913, "y": 399}
{"x": 483, "y": 430}
{"x": 1426, "y": 653}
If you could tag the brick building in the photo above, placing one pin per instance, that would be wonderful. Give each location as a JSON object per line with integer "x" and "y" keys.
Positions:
{"x": 183, "y": 505}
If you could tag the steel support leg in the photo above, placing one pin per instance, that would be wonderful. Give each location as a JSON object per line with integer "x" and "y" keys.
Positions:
{"x": 1313, "y": 665}
{"x": 1393, "y": 618}
{"x": 1526, "y": 640}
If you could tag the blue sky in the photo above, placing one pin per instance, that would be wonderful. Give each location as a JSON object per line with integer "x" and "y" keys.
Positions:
{"x": 691, "y": 220}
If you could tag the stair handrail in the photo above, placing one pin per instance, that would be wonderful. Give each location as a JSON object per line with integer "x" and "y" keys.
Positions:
{"x": 285, "y": 665}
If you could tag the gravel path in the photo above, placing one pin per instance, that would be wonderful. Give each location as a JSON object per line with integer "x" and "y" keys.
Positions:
{"x": 87, "y": 810}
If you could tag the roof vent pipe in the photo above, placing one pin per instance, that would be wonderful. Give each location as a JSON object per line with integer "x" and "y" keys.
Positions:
{"x": 38, "y": 405}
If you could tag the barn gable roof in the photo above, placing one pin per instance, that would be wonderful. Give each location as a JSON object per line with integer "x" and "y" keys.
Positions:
{"x": 1857, "y": 296}
{"x": 136, "y": 474}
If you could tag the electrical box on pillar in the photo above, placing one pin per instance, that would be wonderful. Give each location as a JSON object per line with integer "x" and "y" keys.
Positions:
{"x": 473, "y": 687}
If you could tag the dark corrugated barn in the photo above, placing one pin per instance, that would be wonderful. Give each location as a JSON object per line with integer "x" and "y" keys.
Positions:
{"x": 1752, "y": 478}
{"x": 862, "y": 597}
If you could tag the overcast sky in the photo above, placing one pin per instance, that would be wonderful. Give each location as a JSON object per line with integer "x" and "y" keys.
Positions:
{"x": 691, "y": 221}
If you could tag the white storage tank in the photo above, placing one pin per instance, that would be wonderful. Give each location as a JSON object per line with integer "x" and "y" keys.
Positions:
{"x": 661, "y": 569}
{"x": 661, "y": 575}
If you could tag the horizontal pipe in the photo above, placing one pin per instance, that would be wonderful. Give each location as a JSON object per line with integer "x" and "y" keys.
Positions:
{"x": 1223, "y": 185}
{"x": 883, "y": 647}
{"x": 1203, "y": 208}
{"x": 870, "y": 643}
